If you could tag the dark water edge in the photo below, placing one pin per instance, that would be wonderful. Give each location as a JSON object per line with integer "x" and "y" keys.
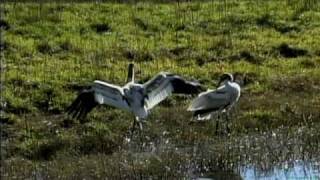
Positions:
{"x": 283, "y": 153}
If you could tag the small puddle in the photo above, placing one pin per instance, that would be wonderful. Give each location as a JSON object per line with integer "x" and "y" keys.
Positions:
{"x": 296, "y": 170}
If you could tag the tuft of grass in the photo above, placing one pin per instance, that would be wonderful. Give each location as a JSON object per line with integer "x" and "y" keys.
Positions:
{"x": 41, "y": 150}
{"x": 101, "y": 28}
{"x": 47, "y": 48}
{"x": 4, "y": 24}
{"x": 307, "y": 63}
{"x": 288, "y": 51}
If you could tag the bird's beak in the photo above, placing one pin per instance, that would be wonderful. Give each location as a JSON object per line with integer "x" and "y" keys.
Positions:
{"x": 220, "y": 81}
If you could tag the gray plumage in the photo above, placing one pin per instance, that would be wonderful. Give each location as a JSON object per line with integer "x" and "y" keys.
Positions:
{"x": 216, "y": 101}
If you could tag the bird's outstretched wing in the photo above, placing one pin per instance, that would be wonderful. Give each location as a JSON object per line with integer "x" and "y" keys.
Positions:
{"x": 164, "y": 84}
{"x": 211, "y": 100}
{"x": 99, "y": 93}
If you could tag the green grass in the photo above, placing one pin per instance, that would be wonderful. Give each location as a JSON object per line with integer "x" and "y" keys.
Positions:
{"x": 53, "y": 50}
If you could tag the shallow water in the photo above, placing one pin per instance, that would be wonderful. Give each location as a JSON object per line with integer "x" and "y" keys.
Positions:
{"x": 296, "y": 170}
{"x": 283, "y": 153}
{"x": 278, "y": 154}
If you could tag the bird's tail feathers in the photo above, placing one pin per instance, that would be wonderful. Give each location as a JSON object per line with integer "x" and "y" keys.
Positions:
{"x": 197, "y": 103}
{"x": 204, "y": 117}
{"x": 201, "y": 117}
{"x": 195, "y": 107}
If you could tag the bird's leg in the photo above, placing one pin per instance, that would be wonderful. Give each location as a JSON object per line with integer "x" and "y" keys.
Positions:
{"x": 140, "y": 123}
{"x": 227, "y": 122}
{"x": 217, "y": 124}
{"x": 140, "y": 137}
{"x": 135, "y": 122}
{"x": 229, "y": 115}
{"x": 133, "y": 127}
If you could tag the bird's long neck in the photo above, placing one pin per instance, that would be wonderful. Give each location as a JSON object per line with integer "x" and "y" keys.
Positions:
{"x": 222, "y": 82}
{"x": 130, "y": 77}
{"x": 227, "y": 83}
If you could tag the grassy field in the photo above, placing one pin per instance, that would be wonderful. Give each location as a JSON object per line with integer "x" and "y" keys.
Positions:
{"x": 51, "y": 51}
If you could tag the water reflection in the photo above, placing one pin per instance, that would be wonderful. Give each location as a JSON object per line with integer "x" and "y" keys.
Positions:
{"x": 297, "y": 170}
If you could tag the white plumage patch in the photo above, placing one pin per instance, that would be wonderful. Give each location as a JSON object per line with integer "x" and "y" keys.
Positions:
{"x": 98, "y": 98}
{"x": 204, "y": 117}
{"x": 109, "y": 94}
{"x": 159, "y": 94}
{"x": 208, "y": 100}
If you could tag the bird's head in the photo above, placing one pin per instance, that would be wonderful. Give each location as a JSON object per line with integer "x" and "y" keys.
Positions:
{"x": 131, "y": 65}
{"x": 130, "y": 77}
{"x": 225, "y": 77}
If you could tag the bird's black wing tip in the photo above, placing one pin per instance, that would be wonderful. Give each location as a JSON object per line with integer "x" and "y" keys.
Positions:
{"x": 82, "y": 105}
{"x": 188, "y": 87}
{"x": 200, "y": 88}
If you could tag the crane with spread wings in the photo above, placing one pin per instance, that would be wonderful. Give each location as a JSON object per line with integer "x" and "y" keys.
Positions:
{"x": 133, "y": 97}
